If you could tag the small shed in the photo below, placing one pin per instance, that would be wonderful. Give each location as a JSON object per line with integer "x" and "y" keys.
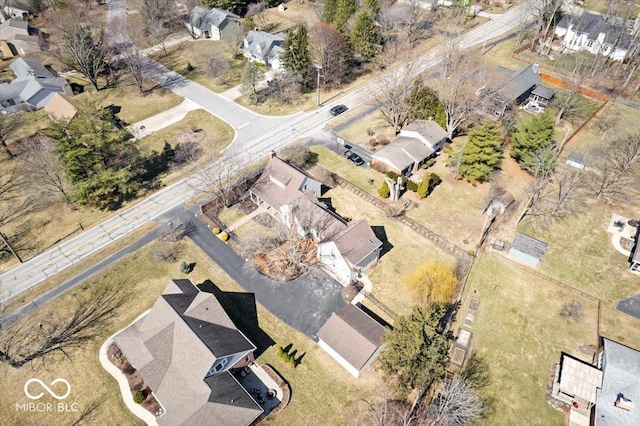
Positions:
{"x": 352, "y": 338}
{"x": 576, "y": 160}
{"x": 527, "y": 250}
{"x": 500, "y": 202}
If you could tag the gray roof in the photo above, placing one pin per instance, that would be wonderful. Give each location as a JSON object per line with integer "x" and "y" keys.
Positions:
{"x": 280, "y": 183}
{"x": 203, "y": 19}
{"x": 595, "y": 24}
{"x": 428, "y": 129}
{"x": 528, "y": 245}
{"x": 404, "y": 151}
{"x": 269, "y": 44}
{"x": 577, "y": 158}
{"x": 519, "y": 81}
{"x": 544, "y": 92}
{"x": 394, "y": 156}
{"x": 357, "y": 241}
{"x": 621, "y": 376}
{"x": 20, "y": 25}
{"x": 353, "y": 334}
{"x": 34, "y": 83}
{"x": 175, "y": 345}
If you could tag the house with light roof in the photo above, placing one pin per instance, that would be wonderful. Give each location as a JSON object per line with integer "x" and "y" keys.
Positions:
{"x": 264, "y": 48}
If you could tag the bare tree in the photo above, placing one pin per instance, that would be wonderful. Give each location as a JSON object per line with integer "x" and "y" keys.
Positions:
{"x": 41, "y": 168}
{"x": 37, "y": 343}
{"x": 459, "y": 405}
{"x": 284, "y": 87}
{"x": 233, "y": 41}
{"x": 392, "y": 94}
{"x": 256, "y": 11}
{"x": 615, "y": 171}
{"x": 215, "y": 66}
{"x": 544, "y": 13}
{"x": 329, "y": 49}
{"x": 8, "y": 124}
{"x": 220, "y": 177}
{"x": 14, "y": 201}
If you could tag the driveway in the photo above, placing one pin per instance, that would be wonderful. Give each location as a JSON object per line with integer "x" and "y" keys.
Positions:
{"x": 304, "y": 303}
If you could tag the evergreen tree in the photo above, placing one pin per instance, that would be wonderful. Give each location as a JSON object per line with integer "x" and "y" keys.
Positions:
{"x": 532, "y": 144}
{"x": 482, "y": 154}
{"x": 417, "y": 350}
{"x": 424, "y": 104}
{"x": 329, "y": 10}
{"x": 101, "y": 165}
{"x": 384, "y": 190}
{"x": 251, "y": 76}
{"x": 365, "y": 36}
{"x": 372, "y": 6}
{"x": 345, "y": 9}
{"x": 235, "y": 6}
{"x": 295, "y": 57}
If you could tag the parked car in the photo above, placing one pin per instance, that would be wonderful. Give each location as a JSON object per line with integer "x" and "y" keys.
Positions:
{"x": 356, "y": 159}
{"x": 337, "y": 110}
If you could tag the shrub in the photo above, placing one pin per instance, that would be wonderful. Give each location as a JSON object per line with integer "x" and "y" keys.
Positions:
{"x": 186, "y": 152}
{"x": 224, "y": 236}
{"x": 370, "y": 131}
{"x": 430, "y": 162}
{"x": 185, "y": 268}
{"x": 423, "y": 188}
{"x": 216, "y": 230}
{"x": 572, "y": 311}
{"x": 384, "y": 191}
{"x": 281, "y": 352}
{"x": 391, "y": 175}
{"x": 189, "y": 67}
{"x": 471, "y": 252}
{"x": 412, "y": 186}
{"x": 292, "y": 361}
{"x": 138, "y": 397}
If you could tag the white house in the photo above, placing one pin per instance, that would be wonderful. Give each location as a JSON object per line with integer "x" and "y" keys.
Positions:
{"x": 215, "y": 24}
{"x": 352, "y": 338}
{"x": 262, "y": 47}
{"x": 596, "y": 34}
{"x": 16, "y": 9}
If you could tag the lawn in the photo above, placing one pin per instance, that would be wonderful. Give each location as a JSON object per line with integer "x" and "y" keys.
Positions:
{"x": 403, "y": 249}
{"x": 322, "y": 392}
{"x": 520, "y": 334}
{"x": 359, "y": 132}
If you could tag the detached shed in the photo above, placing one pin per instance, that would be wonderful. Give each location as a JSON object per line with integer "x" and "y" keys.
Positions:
{"x": 527, "y": 250}
{"x": 576, "y": 160}
{"x": 352, "y": 338}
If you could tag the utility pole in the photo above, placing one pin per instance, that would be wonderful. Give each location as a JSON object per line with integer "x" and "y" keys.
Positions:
{"x": 318, "y": 68}
{"x": 4, "y": 240}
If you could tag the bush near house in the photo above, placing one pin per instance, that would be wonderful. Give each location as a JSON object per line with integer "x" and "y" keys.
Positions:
{"x": 384, "y": 191}
{"x": 138, "y": 397}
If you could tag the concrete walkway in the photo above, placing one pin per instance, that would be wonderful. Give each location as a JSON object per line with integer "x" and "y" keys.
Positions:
{"x": 366, "y": 290}
{"x": 123, "y": 383}
{"x": 164, "y": 119}
{"x": 244, "y": 219}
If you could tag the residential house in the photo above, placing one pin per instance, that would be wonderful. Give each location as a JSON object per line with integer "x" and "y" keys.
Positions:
{"x": 352, "y": 338}
{"x": 605, "y": 395}
{"x": 418, "y": 141}
{"x": 264, "y": 48}
{"x": 15, "y": 9}
{"x": 527, "y": 250}
{"x": 597, "y": 34}
{"x": 516, "y": 88}
{"x": 345, "y": 248}
{"x": 15, "y": 33}
{"x": 60, "y": 108}
{"x": 215, "y": 24}
{"x": 34, "y": 86}
{"x": 184, "y": 349}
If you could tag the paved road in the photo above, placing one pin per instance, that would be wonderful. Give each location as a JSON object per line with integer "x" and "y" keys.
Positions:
{"x": 256, "y": 136}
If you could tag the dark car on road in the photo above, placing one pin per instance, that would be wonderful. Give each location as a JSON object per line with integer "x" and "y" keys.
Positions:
{"x": 337, "y": 110}
{"x": 356, "y": 159}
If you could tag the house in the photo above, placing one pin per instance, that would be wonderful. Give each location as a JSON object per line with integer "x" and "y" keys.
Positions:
{"x": 352, "y": 338}
{"x": 576, "y": 383}
{"x": 184, "y": 349}
{"x": 517, "y": 88}
{"x": 576, "y": 160}
{"x": 291, "y": 196}
{"x": 500, "y": 202}
{"x": 215, "y": 24}
{"x": 418, "y": 141}
{"x": 16, "y": 35}
{"x": 264, "y": 48}
{"x": 16, "y": 9}
{"x": 527, "y": 250}
{"x": 34, "y": 86}
{"x": 597, "y": 34}
{"x": 60, "y": 108}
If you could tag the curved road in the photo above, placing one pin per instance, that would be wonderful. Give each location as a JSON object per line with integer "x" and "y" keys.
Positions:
{"x": 256, "y": 136}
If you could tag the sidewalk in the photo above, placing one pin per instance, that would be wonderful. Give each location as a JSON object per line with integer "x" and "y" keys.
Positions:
{"x": 234, "y": 93}
{"x": 162, "y": 120}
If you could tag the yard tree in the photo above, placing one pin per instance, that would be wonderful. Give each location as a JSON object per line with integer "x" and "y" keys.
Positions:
{"x": 482, "y": 153}
{"x": 235, "y": 6}
{"x": 433, "y": 282}
{"x": 365, "y": 37}
{"x": 329, "y": 10}
{"x": 344, "y": 11}
{"x": 532, "y": 142}
{"x": 424, "y": 105}
{"x": 8, "y": 124}
{"x": 615, "y": 170}
{"x": 459, "y": 404}
{"x": 102, "y": 167}
{"x": 372, "y": 6}
{"x": 251, "y": 76}
{"x": 545, "y": 14}
{"x": 296, "y": 57}
{"x": 393, "y": 92}
{"x": 329, "y": 50}
{"x": 416, "y": 352}
{"x": 41, "y": 168}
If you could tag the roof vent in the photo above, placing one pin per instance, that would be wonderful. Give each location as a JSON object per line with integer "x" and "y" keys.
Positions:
{"x": 624, "y": 403}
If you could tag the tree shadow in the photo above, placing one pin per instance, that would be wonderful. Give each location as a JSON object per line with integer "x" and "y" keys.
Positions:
{"x": 298, "y": 361}
{"x": 241, "y": 308}
{"x": 381, "y": 234}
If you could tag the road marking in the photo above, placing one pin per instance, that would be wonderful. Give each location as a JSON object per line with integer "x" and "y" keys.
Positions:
{"x": 244, "y": 125}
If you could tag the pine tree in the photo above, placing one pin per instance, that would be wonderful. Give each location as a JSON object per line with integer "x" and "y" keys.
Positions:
{"x": 482, "y": 154}
{"x": 295, "y": 57}
{"x": 372, "y": 6}
{"x": 345, "y": 9}
{"x": 384, "y": 191}
{"x": 329, "y": 11}
{"x": 101, "y": 165}
{"x": 251, "y": 76}
{"x": 424, "y": 104}
{"x": 365, "y": 36}
{"x": 532, "y": 144}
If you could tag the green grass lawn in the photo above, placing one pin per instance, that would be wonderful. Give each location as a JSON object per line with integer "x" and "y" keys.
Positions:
{"x": 520, "y": 333}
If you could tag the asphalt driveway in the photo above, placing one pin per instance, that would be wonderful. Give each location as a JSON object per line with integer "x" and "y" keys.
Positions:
{"x": 304, "y": 303}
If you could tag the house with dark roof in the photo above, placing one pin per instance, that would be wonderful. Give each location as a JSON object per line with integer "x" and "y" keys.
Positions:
{"x": 517, "y": 88}
{"x": 418, "y": 141}
{"x": 184, "y": 348}
{"x": 527, "y": 250}
{"x": 34, "y": 86}
{"x": 262, "y": 47}
{"x": 287, "y": 193}
{"x": 597, "y": 34}
{"x": 215, "y": 24}
{"x": 352, "y": 338}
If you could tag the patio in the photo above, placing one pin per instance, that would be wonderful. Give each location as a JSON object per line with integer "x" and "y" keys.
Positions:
{"x": 262, "y": 388}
